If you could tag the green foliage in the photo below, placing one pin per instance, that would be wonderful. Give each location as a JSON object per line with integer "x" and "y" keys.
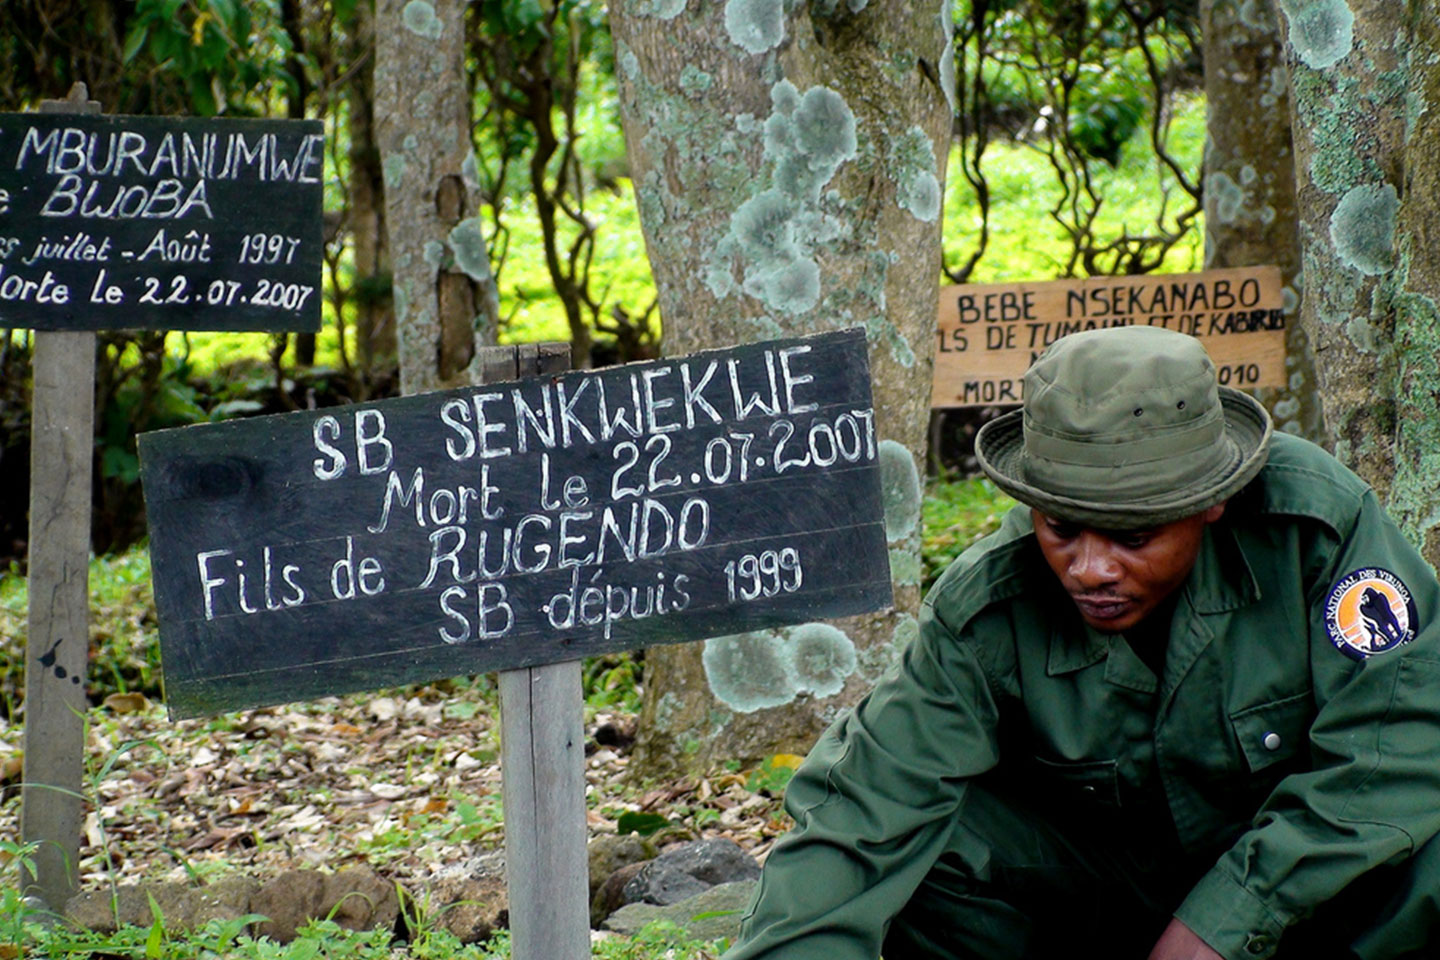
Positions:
{"x": 317, "y": 940}
{"x": 612, "y": 683}
{"x": 1026, "y": 243}
{"x": 1083, "y": 59}
{"x": 216, "y": 940}
{"x": 125, "y": 652}
{"x": 772, "y": 776}
{"x": 17, "y": 860}
{"x": 1082, "y": 83}
{"x": 643, "y": 823}
{"x": 141, "y": 402}
{"x": 659, "y": 940}
{"x": 956, "y": 514}
{"x": 207, "y": 50}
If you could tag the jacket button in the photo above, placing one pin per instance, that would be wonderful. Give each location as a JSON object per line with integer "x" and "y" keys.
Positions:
{"x": 1258, "y": 943}
{"x": 1271, "y": 741}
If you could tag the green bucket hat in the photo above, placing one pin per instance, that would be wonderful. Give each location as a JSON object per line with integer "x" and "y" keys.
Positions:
{"x": 1124, "y": 429}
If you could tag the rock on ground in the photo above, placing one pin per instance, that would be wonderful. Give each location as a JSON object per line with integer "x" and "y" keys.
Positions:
{"x": 472, "y": 908}
{"x": 611, "y": 895}
{"x": 181, "y": 906}
{"x": 710, "y": 915}
{"x": 684, "y": 870}
{"x": 356, "y": 898}
{"x": 609, "y": 852}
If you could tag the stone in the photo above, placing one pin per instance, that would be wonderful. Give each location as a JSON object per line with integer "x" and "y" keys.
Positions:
{"x": 94, "y": 909}
{"x": 225, "y": 899}
{"x": 711, "y": 915}
{"x": 288, "y": 902}
{"x": 611, "y": 895}
{"x": 358, "y": 898}
{"x": 662, "y": 887}
{"x": 472, "y": 908}
{"x": 182, "y": 907}
{"x": 684, "y": 870}
{"x": 609, "y": 852}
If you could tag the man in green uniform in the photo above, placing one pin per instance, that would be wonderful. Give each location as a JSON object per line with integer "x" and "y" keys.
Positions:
{"x": 1185, "y": 703}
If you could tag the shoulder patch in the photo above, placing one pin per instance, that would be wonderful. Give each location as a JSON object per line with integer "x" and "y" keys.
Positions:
{"x": 1369, "y": 611}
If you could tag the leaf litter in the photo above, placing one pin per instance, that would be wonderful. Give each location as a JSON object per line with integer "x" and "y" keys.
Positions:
{"x": 408, "y": 781}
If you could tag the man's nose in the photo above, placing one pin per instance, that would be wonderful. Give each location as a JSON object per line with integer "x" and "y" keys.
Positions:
{"x": 1093, "y": 564}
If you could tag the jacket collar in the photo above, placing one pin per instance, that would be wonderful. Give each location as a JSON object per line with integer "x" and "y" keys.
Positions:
{"x": 1220, "y": 582}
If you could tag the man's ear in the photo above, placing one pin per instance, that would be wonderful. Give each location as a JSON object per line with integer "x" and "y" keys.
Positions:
{"x": 1215, "y": 512}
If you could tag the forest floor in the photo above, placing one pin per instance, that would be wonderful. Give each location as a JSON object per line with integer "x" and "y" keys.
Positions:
{"x": 409, "y": 784}
{"x": 405, "y": 781}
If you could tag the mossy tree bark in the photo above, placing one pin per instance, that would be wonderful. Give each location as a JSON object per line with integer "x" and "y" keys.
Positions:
{"x": 789, "y": 162}
{"x": 1251, "y": 216}
{"x": 1365, "y": 82}
{"x": 444, "y": 294}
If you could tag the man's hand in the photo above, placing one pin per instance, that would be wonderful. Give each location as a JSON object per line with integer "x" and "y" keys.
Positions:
{"x": 1179, "y": 942}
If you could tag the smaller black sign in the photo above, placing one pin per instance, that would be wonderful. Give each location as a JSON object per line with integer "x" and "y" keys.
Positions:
{"x": 114, "y": 222}
{"x": 515, "y": 524}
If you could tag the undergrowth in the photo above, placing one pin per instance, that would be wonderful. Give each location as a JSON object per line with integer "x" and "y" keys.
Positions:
{"x": 125, "y": 661}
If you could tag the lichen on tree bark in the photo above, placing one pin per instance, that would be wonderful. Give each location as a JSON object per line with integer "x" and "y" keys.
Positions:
{"x": 1250, "y": 208}
{"x": 445, "y": 297}
{"x": 789, "y": 161}
{"x": 1364, "y": 78}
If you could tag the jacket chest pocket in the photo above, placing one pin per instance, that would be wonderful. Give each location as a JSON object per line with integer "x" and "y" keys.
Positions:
{"x": 1090, "y": 781}
{"x": 1275, "y": 732}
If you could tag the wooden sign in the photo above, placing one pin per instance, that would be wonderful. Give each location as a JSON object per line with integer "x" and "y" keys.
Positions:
{"x": 407, "y": 540}
{"x": 989, "y": 334}
{"x": 110, "y": 222}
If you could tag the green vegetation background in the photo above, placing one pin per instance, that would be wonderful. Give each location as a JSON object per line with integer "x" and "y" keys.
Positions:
{"x": 1025, "y": 241}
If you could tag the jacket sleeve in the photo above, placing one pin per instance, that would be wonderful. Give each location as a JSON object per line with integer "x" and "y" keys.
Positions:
{"x": 1372, "y": 793}
{"x": 873, "y": 806}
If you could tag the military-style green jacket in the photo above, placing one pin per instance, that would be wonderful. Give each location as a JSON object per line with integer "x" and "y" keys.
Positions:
{"x": 1273, "y": 722}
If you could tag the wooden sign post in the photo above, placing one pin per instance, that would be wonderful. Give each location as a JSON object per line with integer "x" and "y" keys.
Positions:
{"x": 989, "y": 334}
{"x": 125, "y": 222}
{"x": 512, "y": 526}
{"x": 62, "y": 414}
{"x": 542, "y": 764}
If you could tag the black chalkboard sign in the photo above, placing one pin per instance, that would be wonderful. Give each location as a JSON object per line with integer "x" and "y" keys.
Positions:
{"x": 110, "y": 222}
{"x": 514, "y": 524}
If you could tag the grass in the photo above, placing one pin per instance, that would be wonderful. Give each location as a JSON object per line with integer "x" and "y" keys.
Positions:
{"x": 319, "y": 940}
{"x": 956, "y": 513}
{"x": 1025, "y": 241}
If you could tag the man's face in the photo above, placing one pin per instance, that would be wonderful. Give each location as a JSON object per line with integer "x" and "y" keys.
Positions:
{"x": 1118, "y": 578}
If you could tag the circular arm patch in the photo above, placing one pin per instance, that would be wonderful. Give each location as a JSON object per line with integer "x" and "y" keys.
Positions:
{"x": 1369, "y": 611}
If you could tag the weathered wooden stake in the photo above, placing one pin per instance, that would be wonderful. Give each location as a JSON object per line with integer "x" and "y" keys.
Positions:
{"x": 542, "y": 764}
{"x": 61, "y": 447}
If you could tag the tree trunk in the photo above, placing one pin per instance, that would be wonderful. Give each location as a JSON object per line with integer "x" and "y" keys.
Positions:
{"x": 1414, "y": 498}
{"x": 292, "y": 20}
{"x": 446, "y": 303}
{"x": 375, "y": 340}
{"x": 789, "y": 162}
{"x": 1251, "y": 216}
{"x": 1364, "y": 85}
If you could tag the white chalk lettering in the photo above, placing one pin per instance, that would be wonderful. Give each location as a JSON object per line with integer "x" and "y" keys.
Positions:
{"x": 405, "y": 496}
